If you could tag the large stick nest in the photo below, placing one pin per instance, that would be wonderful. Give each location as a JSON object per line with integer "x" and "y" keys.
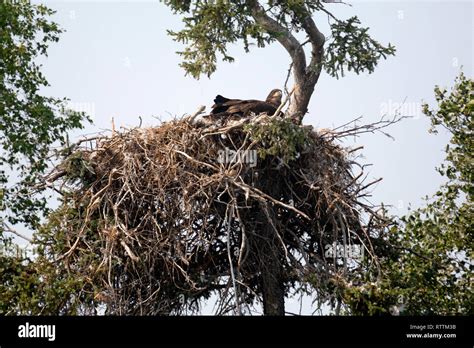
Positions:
{"x": 152, "y": 218}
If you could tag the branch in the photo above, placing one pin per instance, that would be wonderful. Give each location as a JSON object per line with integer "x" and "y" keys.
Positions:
{"x": 283, "y": 103}
{"x": 11, "y": 230}
{"x": 262, "y": 196}
{"x": 198, "y": 112}
{"x": 370, "y": 184}
{"x": 288, "y": 77}
{"x": 317, "y": 40}
{"x": 284, "y": 37}
{"x": 369, "y": 128}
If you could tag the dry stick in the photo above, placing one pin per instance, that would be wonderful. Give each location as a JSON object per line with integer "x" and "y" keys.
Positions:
{"x": 230, "y": 126}
{"x": 348, "y": 123}
{"x": 198, "y": 112}
{"x": 57, "y": 173}
{"x": 96, "y": 201}
{"x": 11, "y": 230}
{"x": 288, "y": 77}
{"x": 267, "y": 214}
{"x": 369, "y": 242}
{"x": 229, "y": 221}
{"x": 261, "y": 195}
{"x": 374, "y": 258}
{"x": 354, "y": 181}
{"x": 225, "y": 306}
{"x": 283, "y": 102}
{"x": 234, "y": 124}
{"x": 355, "y": 149}
{"x": 80, "y": 141}
{"x": 47, "y": 181}
{"x": 243, "y": 244}
{"x": 300, "y": 246}
{"x": 129, "y": 251}
{"x": 370, "y": 128}
{"x": 195, "y": 160}
{"x": 370, "y": 184}
{"x": 344, "y": 235}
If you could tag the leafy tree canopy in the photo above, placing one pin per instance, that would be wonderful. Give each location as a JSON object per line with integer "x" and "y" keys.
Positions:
{"x": 30, "y": 122}
{"x": 210, "y": 26}
{"x": 430, "y": 271}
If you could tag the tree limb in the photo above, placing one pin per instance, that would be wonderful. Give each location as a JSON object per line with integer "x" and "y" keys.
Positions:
{"x": 317, "y": 40}
{"x": 284, "y": 37}
{"x": 305, "y": 76}
{"x": 11, "y": 230}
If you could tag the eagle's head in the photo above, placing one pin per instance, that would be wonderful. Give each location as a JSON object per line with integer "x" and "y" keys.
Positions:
{"x": 274, "y": 97}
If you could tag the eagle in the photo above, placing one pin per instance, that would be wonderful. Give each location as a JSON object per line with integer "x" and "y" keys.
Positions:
{"x": 225, "y": 107}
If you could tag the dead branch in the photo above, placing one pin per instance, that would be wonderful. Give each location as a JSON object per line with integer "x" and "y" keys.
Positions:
{"x": 7, "y": 228}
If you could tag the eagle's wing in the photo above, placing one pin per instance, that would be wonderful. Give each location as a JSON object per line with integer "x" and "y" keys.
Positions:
{"x": 255, "y": 106}
{"x": 221, "y": 100}
{"x": 226, "y": 106}
{"x": 242, "y": 107}
{"x": 222, "y": 104}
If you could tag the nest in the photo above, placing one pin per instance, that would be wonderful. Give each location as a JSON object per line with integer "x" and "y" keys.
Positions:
{"x": 155, "y": 220}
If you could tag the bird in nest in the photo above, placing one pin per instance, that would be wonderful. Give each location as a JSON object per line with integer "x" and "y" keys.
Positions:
{"x": 237, "y": 107}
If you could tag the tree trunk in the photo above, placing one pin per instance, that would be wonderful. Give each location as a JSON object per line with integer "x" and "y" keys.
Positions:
{"x": 272, "y": 284}
{"x": 302, "y": 92}
{"x": 305, "y": 75}
{"x": 271, "y": 254}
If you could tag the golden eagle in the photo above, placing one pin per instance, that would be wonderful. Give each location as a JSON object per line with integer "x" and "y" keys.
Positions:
{"x": 225, "y": 106}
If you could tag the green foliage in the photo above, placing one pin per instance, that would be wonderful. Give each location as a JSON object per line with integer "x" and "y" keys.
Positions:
{"x": 33, "y": 287}
{"x": 456, "y": 114}
{"x": 211, "y": 26}
{"x": 430, "y": 269}
{"x": 352, "y": 49}
{"x": 209, "y": 30}
{"x": 30, "y": 123}
{"x": 77, "y": 168}
{"x": 39, "y": 282}
{"x": 280, "y": 138}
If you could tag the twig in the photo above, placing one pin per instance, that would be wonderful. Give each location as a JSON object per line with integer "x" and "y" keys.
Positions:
{"x": 277, "y": 112}
{"x": 11, "y": 230}
{"x": 262, "y": 196}
{"x": 287, "y": 78}
{"x": 369, "y": 128}
{"x": 129, "y": 251}
{"x": 198, "y": 112}
{"x": 370, "y": 184}
{"x": 231, "y": 266}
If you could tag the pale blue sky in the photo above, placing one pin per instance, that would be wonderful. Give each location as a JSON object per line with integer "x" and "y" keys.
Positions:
{"x": 116, "y": 60}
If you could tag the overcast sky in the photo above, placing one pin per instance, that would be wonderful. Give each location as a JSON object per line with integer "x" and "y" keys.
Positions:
{"x": 116, "y": 60}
